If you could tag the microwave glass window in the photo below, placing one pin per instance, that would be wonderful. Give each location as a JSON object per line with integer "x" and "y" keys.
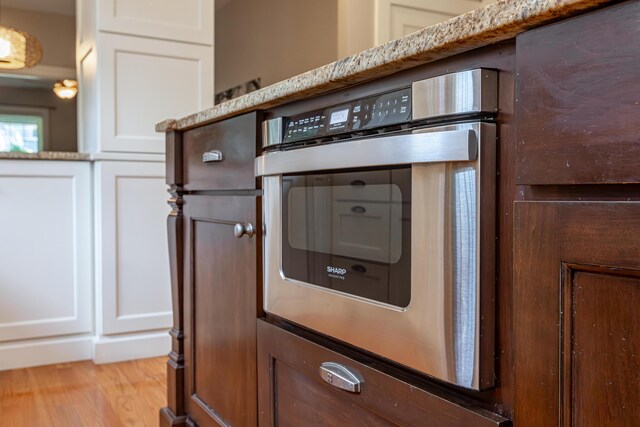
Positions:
{"x": 363, "y": 223}
{"x": 350, "y": 232}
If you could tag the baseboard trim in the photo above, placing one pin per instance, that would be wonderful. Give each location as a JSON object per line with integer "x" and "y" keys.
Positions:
{"x": 41, "y": 352}
{"x": 128, "y": 347}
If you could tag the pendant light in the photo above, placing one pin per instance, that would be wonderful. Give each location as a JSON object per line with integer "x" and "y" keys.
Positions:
{"x": 18, "y": 49}
{"x": 66, "y": 89}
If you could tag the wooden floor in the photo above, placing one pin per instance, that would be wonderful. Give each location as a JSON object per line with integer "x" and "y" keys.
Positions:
{"x": 84, "y": 394}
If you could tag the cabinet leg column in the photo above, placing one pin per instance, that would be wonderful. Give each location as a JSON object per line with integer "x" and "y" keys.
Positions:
{"x": 174, "y": 413}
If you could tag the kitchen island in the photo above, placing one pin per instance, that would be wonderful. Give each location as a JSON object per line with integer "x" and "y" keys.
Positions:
{"x": 567, "y": 223}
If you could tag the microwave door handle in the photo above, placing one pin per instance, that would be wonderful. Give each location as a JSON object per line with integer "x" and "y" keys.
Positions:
{"x": 430, "y": 147}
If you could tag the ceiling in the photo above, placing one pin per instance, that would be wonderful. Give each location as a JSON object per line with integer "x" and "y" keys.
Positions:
{"x": 63, "y": 7}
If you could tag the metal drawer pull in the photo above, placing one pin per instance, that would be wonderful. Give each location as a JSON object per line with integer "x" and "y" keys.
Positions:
{"x": 358, "y": 209}
{"x": 212, "y": 156}
{"x": 244, "y": 230}
{"x": 342, "y": 377}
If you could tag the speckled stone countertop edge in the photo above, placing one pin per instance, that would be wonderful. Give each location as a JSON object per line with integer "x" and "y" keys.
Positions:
{"x": 490, "y": 24}
{"x": 45, "y": 155}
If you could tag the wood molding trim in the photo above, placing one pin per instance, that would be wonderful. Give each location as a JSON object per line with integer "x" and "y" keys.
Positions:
{"x": 168, "y": 419}
{"x": 174, "y": 414}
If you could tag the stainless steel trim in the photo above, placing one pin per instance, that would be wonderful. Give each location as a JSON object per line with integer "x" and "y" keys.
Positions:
{"x": 247, "y": 229}
{"x": 212, "y": 156}
{"x": 435, "y": 146}
{"x": 341, "y": 376}
{"x": 439, "y": 332}
{"x": 272, "y": 132}
{"x": 471, "y": 91}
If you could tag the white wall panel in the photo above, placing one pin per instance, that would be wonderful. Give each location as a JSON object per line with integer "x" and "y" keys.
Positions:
{"x": 185, "y": 20}
{"x": 45, "y": 250}
{"x": 144, "y": 81}
{"x": 133, "y": 263}
{"x": 88, "y": 103}
{"x": 85, "y": 27}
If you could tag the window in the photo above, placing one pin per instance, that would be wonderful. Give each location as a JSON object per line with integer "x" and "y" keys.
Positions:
{"x": 23, "y": 129}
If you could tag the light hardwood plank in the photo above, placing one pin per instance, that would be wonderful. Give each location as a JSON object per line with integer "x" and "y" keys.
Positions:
{"x": 82, "y": 394}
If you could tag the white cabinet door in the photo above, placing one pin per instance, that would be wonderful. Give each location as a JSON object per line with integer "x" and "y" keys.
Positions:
{"x": 184, "y": 20}
{"x": 397, "y": 18}
{"x": 143, "y": 81}
{"x": 132, "y": 258}
{"x": 45, "y": 249}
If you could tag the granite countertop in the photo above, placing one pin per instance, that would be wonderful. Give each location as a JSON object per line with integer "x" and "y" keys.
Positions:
{"x": 493, "y": 23}
{"x": 44, "y": 155}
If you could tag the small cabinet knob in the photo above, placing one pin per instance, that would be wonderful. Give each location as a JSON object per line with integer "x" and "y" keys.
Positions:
{"x": 244, "y": 230}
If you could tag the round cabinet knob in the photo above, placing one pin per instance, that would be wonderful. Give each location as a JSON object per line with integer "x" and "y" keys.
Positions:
{"x": 244, "y": 229}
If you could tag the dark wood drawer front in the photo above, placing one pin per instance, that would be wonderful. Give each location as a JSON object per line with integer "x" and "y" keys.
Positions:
{"x": 577, "y": 99}
{"x": 292, "y": 393}
{"x": 236, "y": 140}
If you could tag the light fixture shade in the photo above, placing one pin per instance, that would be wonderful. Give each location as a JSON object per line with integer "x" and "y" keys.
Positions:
{"x": 66, "y": 89}
{"x": 18, "y": 49}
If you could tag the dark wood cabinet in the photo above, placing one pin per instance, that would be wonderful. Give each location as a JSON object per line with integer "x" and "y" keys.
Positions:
{"x": 214, "y": 273}
{"x": 577, "y": 224}
{"x": 220, "y": 311}
{"x": 567, "y": 322}
{"x": 576, "y": 323}
{"x": 292, "y": 393}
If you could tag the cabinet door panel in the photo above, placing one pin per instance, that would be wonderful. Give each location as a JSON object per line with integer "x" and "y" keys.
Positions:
{"x": 188, "y": 21}
{"x": 132, "y": 100}
{"x": 45, "y": 253}
{"x": 603, "y": 352}
{"x": 577, "y": 109}
{"x": 397, "y": 18}
{"x": 576, "y": 293}
{"x": 220, "y": 311}
{"x": 133, "y": 265}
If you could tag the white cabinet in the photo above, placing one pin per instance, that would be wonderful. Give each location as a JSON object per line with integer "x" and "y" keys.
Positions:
{"x": 140, "y": 62}
{"x": 45, "y": 262}
{"x": 363, "y": 24}
{"x": 185, "y": 20}
{"x": 132, "y": 270}
{"x": 398, "y": 18}
{"x": 144, "y": 81}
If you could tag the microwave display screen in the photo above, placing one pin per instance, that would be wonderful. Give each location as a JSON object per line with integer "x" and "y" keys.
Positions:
{"x": 350, "y": 232}
{"x": 339, "y": 116}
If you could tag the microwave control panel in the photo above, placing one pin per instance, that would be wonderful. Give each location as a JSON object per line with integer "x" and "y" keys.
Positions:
{"x": 393, "y": 108}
